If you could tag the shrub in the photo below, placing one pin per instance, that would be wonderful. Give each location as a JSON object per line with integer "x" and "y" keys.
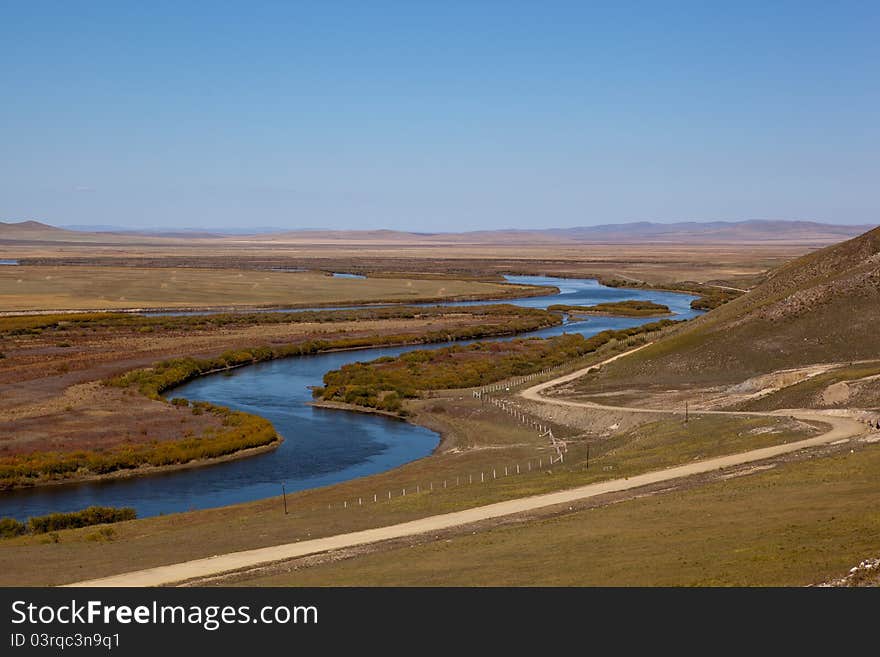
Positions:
{"x": 631, "y": 308}
{"x": 384, "y": 383}
{"x": 713, "y": 298}
{"x": 102, "y": 535}
{"x": 10, "y": 527}
{"x": 93, "y": 515}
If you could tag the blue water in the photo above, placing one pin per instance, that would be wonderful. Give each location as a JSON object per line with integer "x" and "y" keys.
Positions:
{"x": 321, "y": 446}
{"x": 339, "y": 274}
{"x": 8, "y": 262}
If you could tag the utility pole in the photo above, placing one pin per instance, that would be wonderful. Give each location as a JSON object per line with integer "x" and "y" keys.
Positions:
{"x": 284, "y": 495}
{"x": 686, "y": 417}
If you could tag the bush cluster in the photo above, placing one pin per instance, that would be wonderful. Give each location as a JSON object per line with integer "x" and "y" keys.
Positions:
{"x": 383, "y": 383}
{"x": 632, "y": 308}
{"x": 93, "y": 515}
{"x": 36, "y": 324}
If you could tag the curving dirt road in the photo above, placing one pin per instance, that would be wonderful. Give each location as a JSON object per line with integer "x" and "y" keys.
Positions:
{"x": 534, "y": 394}
{"x": 841, "y": 428}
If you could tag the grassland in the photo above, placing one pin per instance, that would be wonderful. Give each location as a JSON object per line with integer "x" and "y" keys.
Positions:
{"x": 733, "y": 537}
{"x": 632, "y": 264}
{"x": 799, "y": 524}
{"x": 89, "y": 288}
{"x": 477, "y": 438}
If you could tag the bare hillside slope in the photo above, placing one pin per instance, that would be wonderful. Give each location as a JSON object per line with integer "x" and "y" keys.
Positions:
{"x": 823, "y": 307}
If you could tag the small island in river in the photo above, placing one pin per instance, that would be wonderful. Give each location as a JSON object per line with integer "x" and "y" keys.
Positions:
{"x": 633, "y": 308}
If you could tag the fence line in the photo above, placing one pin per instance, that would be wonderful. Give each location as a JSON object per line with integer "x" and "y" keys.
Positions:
{"x": 559, "y": 446}
{"x": 486, "y": 475}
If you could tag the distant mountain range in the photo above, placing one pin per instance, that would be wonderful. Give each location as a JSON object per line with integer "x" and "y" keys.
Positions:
{"x": 689, "y": 232}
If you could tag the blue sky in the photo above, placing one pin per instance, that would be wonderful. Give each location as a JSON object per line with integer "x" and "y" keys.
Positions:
{"x": 438, "y": 115}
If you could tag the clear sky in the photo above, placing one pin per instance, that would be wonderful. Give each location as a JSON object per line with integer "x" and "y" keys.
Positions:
{"x": 438, "y": 115}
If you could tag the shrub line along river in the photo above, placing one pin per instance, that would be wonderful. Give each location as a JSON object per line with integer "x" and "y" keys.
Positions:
{"x": 321, "y": 446}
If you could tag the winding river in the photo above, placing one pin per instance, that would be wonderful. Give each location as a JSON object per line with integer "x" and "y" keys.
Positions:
{"x": 321, "y": 446}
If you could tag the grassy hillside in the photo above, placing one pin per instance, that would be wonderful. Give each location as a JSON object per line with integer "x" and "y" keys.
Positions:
{"x": 822, "y": 307}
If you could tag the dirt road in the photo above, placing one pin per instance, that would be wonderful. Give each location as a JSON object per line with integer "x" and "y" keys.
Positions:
{"x": 841, "y": 428}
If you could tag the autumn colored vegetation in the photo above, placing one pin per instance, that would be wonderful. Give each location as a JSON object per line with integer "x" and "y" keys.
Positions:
{"x": 36, "y": 324}
{"x": 632, "y": 308}
{"x": 709, "y": 296}
{"x": 164, "y": 375}
{"x": 93, "y": 515}
{"x": 384, "y": 383}
{"x": 238, "y": 431}
{"x": 714, "y": 297}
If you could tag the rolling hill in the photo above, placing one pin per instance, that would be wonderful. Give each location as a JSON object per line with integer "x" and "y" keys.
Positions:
{"x": 33, "y": 231}
{"x": 820, "y": 308}
{"x": 691, "y": 232}
{"x": 740, "y": 232}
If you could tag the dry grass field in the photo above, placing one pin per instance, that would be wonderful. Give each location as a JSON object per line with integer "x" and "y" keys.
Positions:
{"x": 652, "y": 263}
{"x": 92, "y": 288}
{"x": 476, "y": 439}
{"x": 800, "y": 524}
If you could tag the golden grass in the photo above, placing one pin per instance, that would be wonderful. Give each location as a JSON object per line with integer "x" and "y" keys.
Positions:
{"x": 91, "y": 288}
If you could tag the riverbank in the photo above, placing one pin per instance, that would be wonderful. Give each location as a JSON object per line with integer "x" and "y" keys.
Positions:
{"x": 439, "y": 322}
{"x": 149, "y": 470}
{"x": 92, "y": 434}
{"x": 481, "y": 439}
